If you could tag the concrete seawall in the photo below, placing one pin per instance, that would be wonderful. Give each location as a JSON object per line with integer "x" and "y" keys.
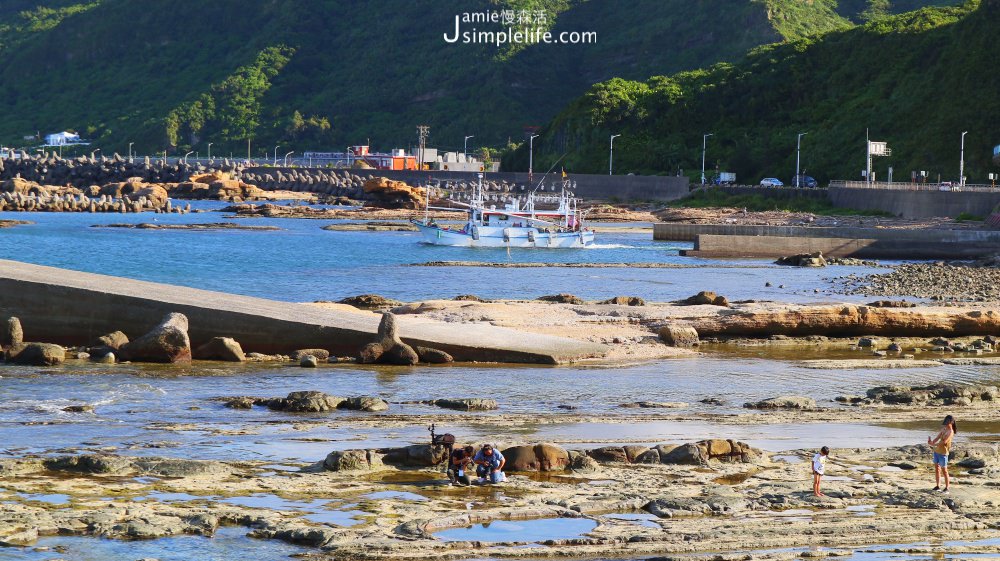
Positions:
{"x": 922, "y": 203}
{"x": 725, "y": 240}
{"x": 74, "y": 308}
{"x": 588, "y": 186}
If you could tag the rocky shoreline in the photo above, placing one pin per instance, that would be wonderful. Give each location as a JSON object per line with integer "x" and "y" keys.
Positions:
{"x": 957, "y": 282}
{"x": 391, "y": 504}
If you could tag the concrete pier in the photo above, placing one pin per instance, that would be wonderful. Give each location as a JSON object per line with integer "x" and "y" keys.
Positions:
{"x": 730, "y": 240}
{"x": 74, "y": 308}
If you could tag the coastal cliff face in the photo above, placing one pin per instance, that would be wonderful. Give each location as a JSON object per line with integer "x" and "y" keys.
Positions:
{"x": 849, "y": 320}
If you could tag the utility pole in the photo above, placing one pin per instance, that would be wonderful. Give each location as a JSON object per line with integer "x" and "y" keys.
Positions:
{"x": 531, "y": 155}
{"x": 422, "y": 132}
{"x": 704, "y": 147}
{"x": 798, "y": 156}
{"x": 961, "y": 166}
{"x": 611, "y": 152}
{"x": 868, "y": 158}
{"x": 465, "y": 147}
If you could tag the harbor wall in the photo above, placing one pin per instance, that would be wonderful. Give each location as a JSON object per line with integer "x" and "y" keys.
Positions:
{"x": 666, "y": 231}
{"x": 922, "y": 203}
{"x": 660, "y": 188}
{"x": 725, "y": 240}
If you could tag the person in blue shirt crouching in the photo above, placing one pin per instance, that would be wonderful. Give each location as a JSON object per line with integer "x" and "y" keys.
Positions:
{"x": 489, "y": 465}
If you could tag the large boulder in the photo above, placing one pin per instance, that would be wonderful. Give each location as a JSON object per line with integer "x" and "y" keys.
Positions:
{"x": 306, "y": 402}
{"x": 705, "y": 297}
{"x": 625, "y": 301}
{"x": 370, "y": 302}
{"x": 364, "y": 403}
{"x": 11, "y": 334}
{"x": 467, "y": 404}
{"x": 609, "y": 454}
{"x": 320, "y": 354}
{"x": 167, "y": 342}
{"x": 686, "y": 454}
{"x": 562, "y": 298}
{"x": 417, "y": 455}
{"x": 803, "y": 260}
{"x": 113, "y": 341}
{"x": 433, "y": 356}
{"x": 352, "y": 460}
{"x": 388, "y": 348}
{"x": 387, "y": 193}
{"x": 679, "y": 335}
{"x": 540, "y": 457}
{"x": 89, "y": 463}
{"x": 37, "y": 354}
{"x": 783, "y": 402}
{"x": 220, "y": 348}
{"x": 155, "y": 194}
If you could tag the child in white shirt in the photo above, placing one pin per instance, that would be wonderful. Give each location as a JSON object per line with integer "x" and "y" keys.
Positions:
{"x": 819, "y": 468}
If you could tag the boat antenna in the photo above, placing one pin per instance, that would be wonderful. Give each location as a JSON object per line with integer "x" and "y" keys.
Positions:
{"x": 549, "y": 170}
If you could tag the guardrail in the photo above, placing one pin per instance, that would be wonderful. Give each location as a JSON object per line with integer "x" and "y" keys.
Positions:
{"x": 908, "y": 186}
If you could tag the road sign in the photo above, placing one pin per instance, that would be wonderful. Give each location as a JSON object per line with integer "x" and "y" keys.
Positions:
{"x": 879, "y": 148}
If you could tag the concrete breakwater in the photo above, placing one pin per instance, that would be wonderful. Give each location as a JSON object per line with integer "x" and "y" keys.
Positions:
{"x": 500, "y": 186}
{"x": 84, "y": 171}
{"x": 82, "y": 203}
{"x": 727, "y": 240}
{"x": 74, "y": 308}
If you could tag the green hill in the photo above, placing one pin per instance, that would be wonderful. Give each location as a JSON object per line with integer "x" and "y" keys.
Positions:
{"x": 322, "y": 74}
{"x": 916, "y": 80}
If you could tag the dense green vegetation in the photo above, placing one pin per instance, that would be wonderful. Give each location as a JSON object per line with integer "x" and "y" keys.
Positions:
{"x": 916, "y": 80}
{"x": 714, "y": 198}
{"x": 322, "y": 74}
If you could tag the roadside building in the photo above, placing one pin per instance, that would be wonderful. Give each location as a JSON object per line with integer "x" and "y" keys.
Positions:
{"x": 62, "y": 139}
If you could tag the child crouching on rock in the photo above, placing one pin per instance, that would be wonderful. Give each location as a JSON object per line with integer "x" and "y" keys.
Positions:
{"x": 819, "y": 468}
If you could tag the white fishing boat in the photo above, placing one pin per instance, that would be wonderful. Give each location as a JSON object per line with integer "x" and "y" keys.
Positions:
{"x": 510, "y": 226}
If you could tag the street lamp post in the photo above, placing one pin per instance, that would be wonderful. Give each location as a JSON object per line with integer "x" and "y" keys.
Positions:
{"x": 611, "y": 152}
{"x": 186, "y": 156}
{"x": 798, "y": 158}
{"x": 130, "y": 150}
{"x": 531, "y": 154}
{"x": 286, "y": 157}
{"x": 465, "y": 146}
{"x": 210, "y": 151}
{"x": 704, "y": 147}
{"x": 276, "y": 155}
{"x": 961, "y": 166}
{"x": 93, "y": 154}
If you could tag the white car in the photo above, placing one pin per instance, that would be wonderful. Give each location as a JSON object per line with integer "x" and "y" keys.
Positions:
{"x": 771, "y": 182}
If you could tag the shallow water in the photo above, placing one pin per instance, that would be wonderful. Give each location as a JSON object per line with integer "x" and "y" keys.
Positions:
{"x": 229, "y": 544}
{"x": 301, "y": 262}
{"x": 173, "y": 411}
{"x": 521, "y": 530}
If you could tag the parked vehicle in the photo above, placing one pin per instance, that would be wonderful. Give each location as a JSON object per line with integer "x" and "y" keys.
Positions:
{"x": 805, "y": 181}
{"x": 725, "y": 178}
{"x": 771, "y": 182}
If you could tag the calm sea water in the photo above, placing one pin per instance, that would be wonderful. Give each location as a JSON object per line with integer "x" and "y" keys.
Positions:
{"x": 173, "y": 410}
{"x": 302, "y": 262}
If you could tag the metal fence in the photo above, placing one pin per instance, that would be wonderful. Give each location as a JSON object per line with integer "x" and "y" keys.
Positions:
{"x": 909, "y": 186}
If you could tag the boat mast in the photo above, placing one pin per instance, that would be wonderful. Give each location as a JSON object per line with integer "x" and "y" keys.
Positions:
{"x": 427, "y": 202}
